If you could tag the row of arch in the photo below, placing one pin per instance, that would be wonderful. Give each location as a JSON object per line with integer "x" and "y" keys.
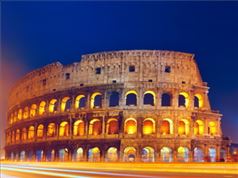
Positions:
{"x": 129, "y": 154}
{"x": 95, "y": 127}
{"x": 131, "y": 97}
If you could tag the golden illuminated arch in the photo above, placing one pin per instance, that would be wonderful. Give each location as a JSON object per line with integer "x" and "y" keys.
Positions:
{"x": 31, "y": 132}
{"x": 167, "y": 126}
{"x": 95, "y": 127}
{"x": 52, "y": 105}
{"x": 42, "y": 107}
{"x": 77, "y": 100}
{"x": 33, "y": 110}
{"x": 64, "y": 129}
{"x": 186, "y": 96}
{"x": 112, "y": 154}
{"x": 94, "y": 154}
{"x": 129, "y": 154}
{"x": 17, "y": 134}
{"x": 40, "y": 131}
{"x": 19, "y": 115}
{"x": 183, "y": 127}
{"x": 92, "y": 98}
{"x": 153, "y": 94}
{"x": 212, "y": 128}
{"x": 199, "y": 127}
{"x": 26, "y": 112}
{"x": 51, "y": 130}
{"x": 23, "y": 134}
{"x": 200, "y": 100}
{"x": 112, "y": 126}
{"x": 63, "y": 103}
{"x": 78, "y": 129}
{"x": 130, "y": 126}
{"x": 148, "y": 126}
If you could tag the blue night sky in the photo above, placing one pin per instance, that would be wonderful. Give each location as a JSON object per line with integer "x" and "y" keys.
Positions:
{"x": 37, "y": 33}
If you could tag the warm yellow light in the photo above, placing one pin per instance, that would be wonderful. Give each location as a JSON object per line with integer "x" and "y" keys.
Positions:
{"x": 63, "y": 103}
{"x": 78, "y": 129}
{"x": 42, "y": 107}
{"x": 130, "y": 126}
{"x": 31, "y": 132}
{"x": 200, "y": 100}
{"x": 77, "y": 101}
{"x": 212, "y": 128}
{"x": 33, "y": 110}
{"x": 52, "y": 105}
{"x": 64, "y": 129}
{"x": 148, "y": 126}
{"x": 186, "y": 96}
{"x": 92, "y": 99}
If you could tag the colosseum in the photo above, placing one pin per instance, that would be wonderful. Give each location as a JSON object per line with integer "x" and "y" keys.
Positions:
{"x": 132, "y": 105}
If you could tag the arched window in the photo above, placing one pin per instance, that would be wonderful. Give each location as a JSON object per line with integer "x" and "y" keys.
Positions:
{"x": 66, "y": 104}
{"x": 166, "y": 154}
{"x": 64, "y": 129}
{"x": 148, "y": 154}
{"x": 19, "y": 115}
{"x": 131, "y": 98}
{"x": 183, "y": 127}
{"x": 198, "y": 101}
{"x": 148, "y": 126}
{"x": 112, "y": 154}
{"x": 96, "y": 100}
{"x": 166, "y": 99}
{"x": 64, "y": 154}
{"x": 50, "y": 155}
{"x": 183, "y": 154}
{"x": 129, "y": 154}
{"x": 31, "y": 132}
{"x": 78, "y": 128}
{"x": 130, "y": 126}
{"x": 39, "y": 155}
{"x": 94, "y": 154}
{"x": 22, "y": 155}
{"x": 23, "y": 134}
{"x": 112, "y": 126}
{"x": 33, "y": 110}
{"x": 80, "y": 101}
{"x": 13, "y": 137}
{"x": 51, "y": 130}
{"x": 114, "y": 99}
{"x": 183, "y": 99}
{"x": 26, "y": 113}
{"x": 40, "y": 131}
{"x": 95, "y": 127}
{"x": 78, "y": 154}
{"x": 166, "y": 127}
{"x": 199, "y": 127}
{"x": 149, "y": 98}
{"x": 53, "y": 105}
{"x": 212, "y": 154}
{"x": 212, "y": 128}
{"x": 42, "y": 107}
{"x": 198, "y": 155}
{"x": 17, "y": 135}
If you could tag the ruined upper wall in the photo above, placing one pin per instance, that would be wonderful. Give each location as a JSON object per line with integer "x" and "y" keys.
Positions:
{"x": 149, "y": 66}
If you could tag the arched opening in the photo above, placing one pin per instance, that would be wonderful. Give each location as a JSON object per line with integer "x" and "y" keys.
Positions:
{"x": 94, "y": 154}
{"x": 26, "y": 113}
{"x": 198, "y": 155}
{"x": 50, "y": 155}
{"x": 39, "y": 155}
{"x": 19, "y": 115}
{"x": 183, "y": 127}
{"x": 96, "y": 100}
{"x": 183, "y": 154}
{"x": 24, "y": 134}
{"x": 78, "y": 154}
{"x": 131, "y": 98}
{"x": 112, "y": 126}
{"x": 78, "y": 128}
{"x": 51, "y": 130}
{"x": 183, "y": 99}
{"x": 114, "y": 99}
{"x": 130, "y": 126}
{"x": 42, "y": 107}
{"x": 166, "y": 154}
{"x": 112, "y": 154}
{"x": 22, "y": 155}
{"x": 18, "y": 135}
{"x": 148, "y": 154}
{"x": 95, "y": 127}
{"x": 212, "y": 154}
{"x": 129, "y": 154}
{"x": 148, "y": 126}
{"x": 40, "y": 131}
{"x": 222, "y": 155}
{"x": 166, "y": 99}
{"x": 198, "y": 101}
{"x": 30, "y": 155}
{"x": 33, "y": 110}
{"x": 212, "y": 128}
{"x": 199, "y": 127}
{"x": 80, "y": 101}
{"x": 13, "y": 137}
{"x": 63, "y": 154}
{"x": 64, "y": 129}
{"x": 53, "y": 106}
{"x": 66, "y": 104}
{"x": 166, "y": 127}
{"x": 31, "y": 132}
{"x": 149, "y": 98}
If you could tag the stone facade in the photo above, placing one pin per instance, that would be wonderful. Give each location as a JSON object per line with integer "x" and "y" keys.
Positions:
{"x": 138, "y": 105}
